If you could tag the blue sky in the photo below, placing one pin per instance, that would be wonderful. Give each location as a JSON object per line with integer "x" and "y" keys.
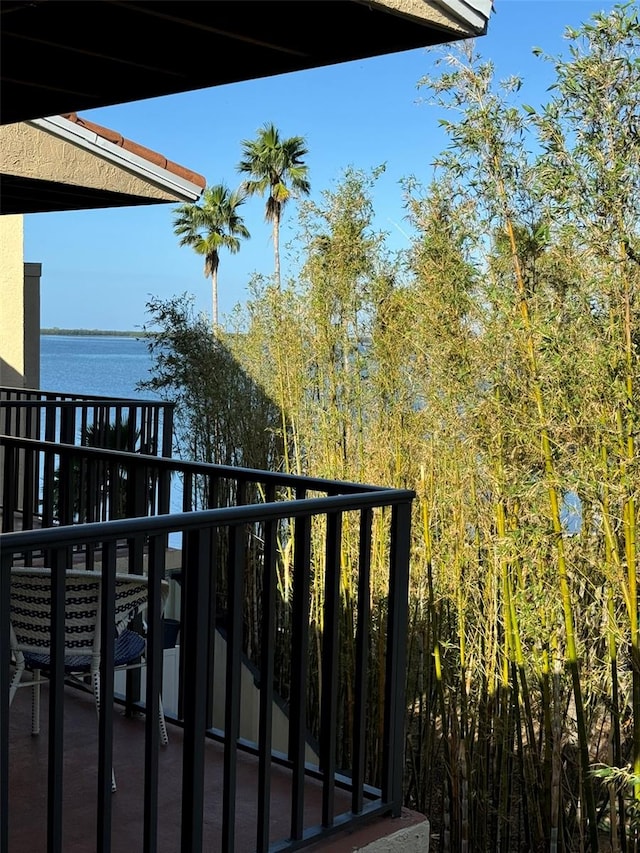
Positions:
{"x": 101, "y": 267}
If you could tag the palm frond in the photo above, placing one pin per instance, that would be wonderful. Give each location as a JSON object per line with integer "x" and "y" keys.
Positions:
{"x": 212, "y": 224}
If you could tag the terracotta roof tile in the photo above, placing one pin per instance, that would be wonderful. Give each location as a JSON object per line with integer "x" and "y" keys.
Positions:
{"x": 140, "y": 150}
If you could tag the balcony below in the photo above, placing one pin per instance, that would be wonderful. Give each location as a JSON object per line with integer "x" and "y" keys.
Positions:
{"x": 28, "y": 790}
{"x": 285, "y": 696}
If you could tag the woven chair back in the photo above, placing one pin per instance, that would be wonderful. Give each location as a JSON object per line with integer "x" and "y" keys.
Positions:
{"x": 31, "y": 608}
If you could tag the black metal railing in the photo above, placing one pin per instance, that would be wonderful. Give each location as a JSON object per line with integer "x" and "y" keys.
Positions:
{"x": 144, "y": 426}
{"x": 253, "y": 564}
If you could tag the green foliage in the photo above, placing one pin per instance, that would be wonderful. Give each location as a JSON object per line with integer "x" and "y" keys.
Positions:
{"x": 589, "y": 130}
{"x": 222, "y": 414}
{"x": 494, "y": 367}
{"x": 83, "y": 481}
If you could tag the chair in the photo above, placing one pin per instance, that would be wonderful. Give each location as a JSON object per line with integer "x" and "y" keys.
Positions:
{"x": 30, "y": 630}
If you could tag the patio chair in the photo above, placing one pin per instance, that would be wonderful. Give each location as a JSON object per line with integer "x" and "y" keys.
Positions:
{"x": 30, "y": 631}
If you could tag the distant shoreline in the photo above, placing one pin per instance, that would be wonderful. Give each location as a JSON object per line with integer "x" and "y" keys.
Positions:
{"x": 94, "y": 333}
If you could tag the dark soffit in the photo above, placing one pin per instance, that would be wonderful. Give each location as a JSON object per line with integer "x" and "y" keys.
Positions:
{"x": 60, "y": 56}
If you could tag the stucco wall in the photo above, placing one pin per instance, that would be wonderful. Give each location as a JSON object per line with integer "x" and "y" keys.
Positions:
{"x": 19, "y": 309}
{"x": 31, "y": 152}
{"x": 12, "y": 354}
{"x": 424, "y": 10}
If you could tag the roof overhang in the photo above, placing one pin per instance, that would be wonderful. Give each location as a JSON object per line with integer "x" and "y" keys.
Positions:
{"x": 58, "y": 164}
{"x": 60, "y": 56}
{"x": 472, "y": 13}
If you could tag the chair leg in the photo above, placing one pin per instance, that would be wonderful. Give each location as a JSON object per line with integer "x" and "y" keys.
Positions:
{"x": 95, "y": 684}
{"x": 35, "y": 692}
{"x": 35, "y": 703}
{"x": 17, "y": 676}
{"x": 164, "y": 737}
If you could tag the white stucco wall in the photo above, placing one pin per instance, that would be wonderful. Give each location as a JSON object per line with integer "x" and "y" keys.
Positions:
{"x": 34, "y": 153}
{"x": 437, "y": 12}
{"x": 12, "y": 303}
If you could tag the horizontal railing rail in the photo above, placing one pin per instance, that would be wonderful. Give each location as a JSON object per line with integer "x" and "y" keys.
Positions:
{"x": 268, "y": 566}
{"x": 273, "y": 478}
{"x": 46, "y": 483}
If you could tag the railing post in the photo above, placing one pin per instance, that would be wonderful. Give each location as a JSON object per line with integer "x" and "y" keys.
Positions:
{"x": 9, "y": 478}
{"x": 167, "y": 430}
{"x": 235, "y": 573}
{"x": 330, "y": 674}
{"x": 49, "y": 423}
{"x": 267, "y": 654}
{"x": 56, "y": 704}
{"x": 212, "y": 502}
{"x": 363, "y": 632}
{"x": 394, "y": 707}
{"x": 106, "y": 615}
{"x": 5, "y": 657}
{"x": 155, "y": 652}
{"x": 299, "y": 669}
{"x": 196, "y": 591}
{"x": 67, "y": 425}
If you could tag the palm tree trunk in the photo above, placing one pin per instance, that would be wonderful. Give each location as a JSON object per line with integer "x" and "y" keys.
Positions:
{"x": 214, "y": 300}
{"x": 276, "y": 247}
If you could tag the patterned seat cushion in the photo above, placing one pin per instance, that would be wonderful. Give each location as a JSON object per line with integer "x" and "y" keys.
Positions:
{"x": 129, "y": 646}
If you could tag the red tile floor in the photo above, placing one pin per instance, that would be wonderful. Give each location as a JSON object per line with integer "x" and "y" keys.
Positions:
{"x": 28, "y": 787}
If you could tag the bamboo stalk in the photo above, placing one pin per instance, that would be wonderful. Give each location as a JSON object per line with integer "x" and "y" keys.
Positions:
{"x": 554, "y": 504}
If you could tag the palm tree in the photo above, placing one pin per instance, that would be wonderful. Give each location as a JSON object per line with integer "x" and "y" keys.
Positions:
{"x": 275, "y": 166}
{"x": 209, "y": 226}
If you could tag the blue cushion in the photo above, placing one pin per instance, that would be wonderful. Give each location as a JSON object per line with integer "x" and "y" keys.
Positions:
{"x": 129, "y": 647}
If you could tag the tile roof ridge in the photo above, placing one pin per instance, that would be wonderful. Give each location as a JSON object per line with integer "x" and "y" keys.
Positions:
{"x": 148, "y": 154}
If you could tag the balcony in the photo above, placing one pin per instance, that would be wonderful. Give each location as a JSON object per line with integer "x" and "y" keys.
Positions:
{"x": 284, "y": 694}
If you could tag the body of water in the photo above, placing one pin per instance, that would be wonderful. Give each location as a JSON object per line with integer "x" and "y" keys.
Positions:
{"x": 103, "y": 365}
{"x": 108, "y": 366}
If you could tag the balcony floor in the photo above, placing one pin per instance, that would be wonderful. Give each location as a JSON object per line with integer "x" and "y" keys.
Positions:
{"x": 28, "y": 786}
